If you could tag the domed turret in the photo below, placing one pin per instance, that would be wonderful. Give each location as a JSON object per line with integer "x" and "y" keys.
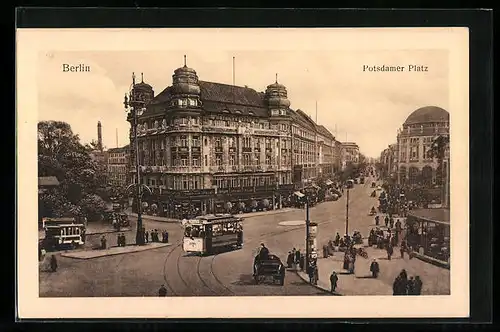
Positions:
{"x": 185, "y": 81}
{"x": 277, "y": 98}
{"x": 142, "y": 92}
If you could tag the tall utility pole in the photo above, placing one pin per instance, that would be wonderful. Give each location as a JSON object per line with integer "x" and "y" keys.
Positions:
{"x": 135, "y": 107}
{"x": 308, "y": 222}
{"x": 347, "y": 213}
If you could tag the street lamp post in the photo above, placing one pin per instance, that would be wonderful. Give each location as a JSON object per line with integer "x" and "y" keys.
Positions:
{"x": 349, "y": 185}
{"x": 131, "y": 103}
{"x": 308, "y": 222}
{"x": 347, "y": 213}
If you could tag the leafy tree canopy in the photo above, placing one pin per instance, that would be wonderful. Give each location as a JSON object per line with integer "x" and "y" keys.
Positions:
{"x": 61, "y": 154}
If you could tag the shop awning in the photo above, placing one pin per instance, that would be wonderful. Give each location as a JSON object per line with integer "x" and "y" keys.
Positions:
{"x": 299, "y": 194}
{"x": 328, "y": 182}
{"x": 316, "y": 186}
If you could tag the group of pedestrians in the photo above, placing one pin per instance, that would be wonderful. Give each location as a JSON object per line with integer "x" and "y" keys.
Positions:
{"x": 121, "y": 240}
{"x": 293, "y": 259}
{"x": 155, "y": 236}
{"x": 407, "y": 286}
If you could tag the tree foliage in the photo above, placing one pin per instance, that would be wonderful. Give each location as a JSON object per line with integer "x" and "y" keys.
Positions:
{"x": 61, "y": 154}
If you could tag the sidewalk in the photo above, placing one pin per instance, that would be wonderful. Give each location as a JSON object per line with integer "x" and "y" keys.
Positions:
{"x": 436, "y": 280}
{"x": 89, "y": 254}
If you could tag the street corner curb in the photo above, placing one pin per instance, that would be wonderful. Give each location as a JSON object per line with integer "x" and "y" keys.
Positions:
{"x": 305, "y": 279}
{"x": 116, "y": 253}
{"x": 110, "y": 231}
{"x": 432, "y": 261}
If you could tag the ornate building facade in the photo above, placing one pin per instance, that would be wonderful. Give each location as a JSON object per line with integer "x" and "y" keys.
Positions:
{"x": 118, "y": 167}
{"x": 389, "y": 162}
{"x": 415, "y": 139}
{"x": 212, "y": 147}
{"x": 349, "y": 153}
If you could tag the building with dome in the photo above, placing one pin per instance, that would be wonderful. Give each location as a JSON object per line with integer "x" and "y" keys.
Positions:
{"x": 414, "y": 140}
{"x": 213, "y": 147}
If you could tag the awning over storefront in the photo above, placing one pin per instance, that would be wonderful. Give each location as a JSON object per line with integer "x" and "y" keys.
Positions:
{"x": 328, "y": 182}
{"x": 299, "y": 194}
{"x": 315, "y": 186}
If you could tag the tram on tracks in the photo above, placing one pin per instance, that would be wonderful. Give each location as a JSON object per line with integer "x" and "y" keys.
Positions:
{"x": 212, "y": 233}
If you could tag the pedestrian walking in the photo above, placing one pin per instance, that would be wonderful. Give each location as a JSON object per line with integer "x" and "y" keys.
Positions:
{"x": 417, "y": 285}
{"x": 390, "y": 251}
{"x": 146, "y": 236}
{"x": 350, "y": 262}
{"x": 310, "y": 273}
{"x": 124, "y": 240}
{"x": 103, "y": 242}
{"x": 410, "y": 287}
{"x": 325, "y": 251}
{"x": 289, "y": 260}
{"x": 386, "y": 220}
{"x": 316, "y": 274}
{"x": 53, "y": 263}
{"x": 333, "y": 281}
{"x": 337, "y": 239}
{"x": 162, "y": 292}
{"x": 391, "y": 222}
{"x": 374, "y": 268}
{"x": 377, "y": 220}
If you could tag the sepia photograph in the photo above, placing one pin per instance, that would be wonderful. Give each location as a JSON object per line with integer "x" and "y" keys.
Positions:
{"x": 243, "y": 165}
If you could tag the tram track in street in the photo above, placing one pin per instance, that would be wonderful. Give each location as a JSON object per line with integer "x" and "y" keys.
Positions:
{"x": 224, "y": 288}
{"x": 205, "y": 276}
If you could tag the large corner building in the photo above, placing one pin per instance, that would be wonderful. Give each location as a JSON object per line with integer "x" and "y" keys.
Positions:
{"x": 215, "y": 147}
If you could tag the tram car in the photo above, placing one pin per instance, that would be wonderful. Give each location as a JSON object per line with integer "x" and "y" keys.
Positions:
{"x": 62, "y": 233}
{"x": 212, "y": 233}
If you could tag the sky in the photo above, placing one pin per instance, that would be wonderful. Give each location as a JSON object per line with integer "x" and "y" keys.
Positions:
{"x": 364, "y": 107}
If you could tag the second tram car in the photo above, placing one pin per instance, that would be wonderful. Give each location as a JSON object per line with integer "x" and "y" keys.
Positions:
{"x": 209, "y": 233}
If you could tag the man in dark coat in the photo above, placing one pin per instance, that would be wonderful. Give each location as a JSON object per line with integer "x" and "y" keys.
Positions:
{"x": 390, "y": 251}
{"x": 146, "y": 236}
{"x": 404, "y": 282}
{"x": 289, "y": 260}
{"x": 297, "y": 257}
{"x": 396, "y": 286}
{"x": 337, "y": 239}
{"x": 103, "y": 242}
{"x": 264, "y": 252}
{"x": 333, "y": 281}
{"x": 410, "y": 287}
{"x": 417, "y": 285}
{"x": 162, "y": 292}
{"x": 386, "y": 220}
{"x": 377, "y": 220}
{"x": 53, "y": 263}
{"x": 374, "y": 268}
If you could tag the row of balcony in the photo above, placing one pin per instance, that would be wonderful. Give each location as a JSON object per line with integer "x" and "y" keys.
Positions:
{"x": 213, "y": 169}
{"x": 211, "y": 129}
{"x": 211, "y": 191}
